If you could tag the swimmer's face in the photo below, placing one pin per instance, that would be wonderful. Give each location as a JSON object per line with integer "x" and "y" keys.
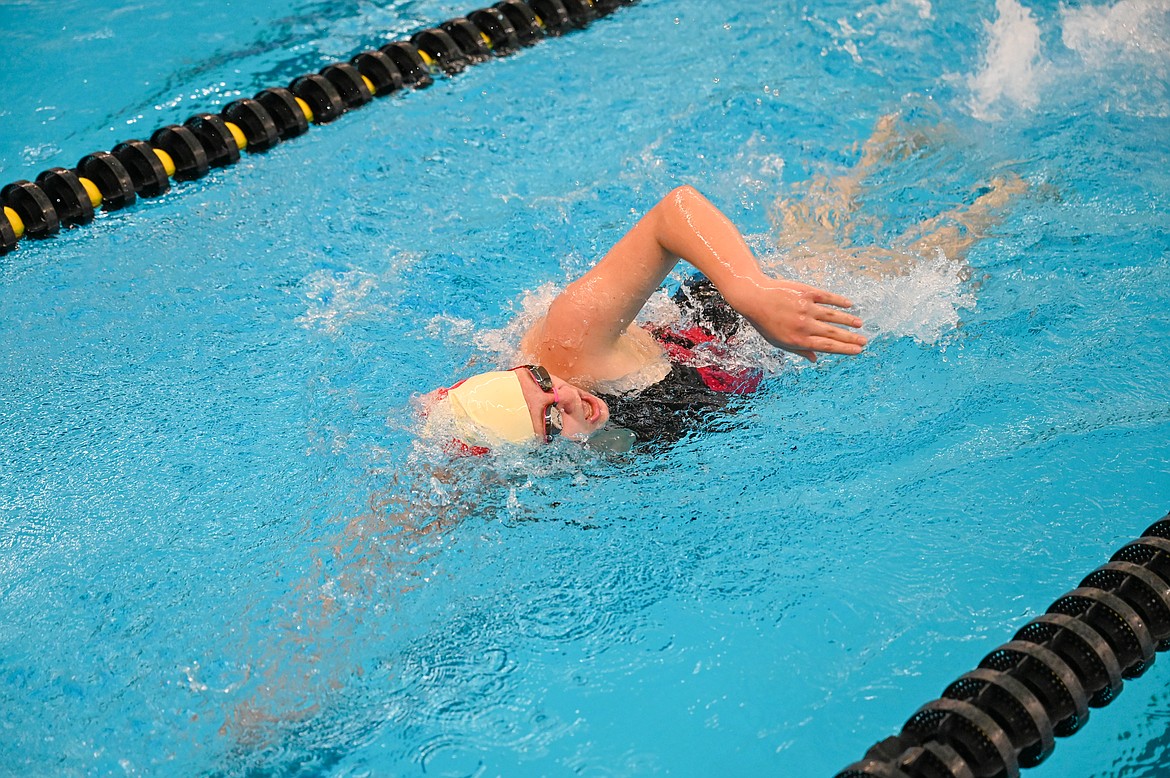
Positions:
{"x": 582, "y": 413}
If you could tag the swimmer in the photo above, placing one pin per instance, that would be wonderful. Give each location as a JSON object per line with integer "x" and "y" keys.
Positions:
{"x": 589, "y": 370}
{"x": 592, "y": 374}
{"x": 587, "y": 354}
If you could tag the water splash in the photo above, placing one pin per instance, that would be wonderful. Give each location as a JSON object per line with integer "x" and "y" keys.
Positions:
{"x": 924, "y": 299}
{"x": 924, "y": 303}
{"x": 453, "y": 328}
{"x": 1016, "y": 72}
{"x": 1124, "y": 49}
{"x": 336, "y": 298}
{"x": 1099, "y": 33}
{"x": 1012, "y": 66}
{"x": 502, "y": 345}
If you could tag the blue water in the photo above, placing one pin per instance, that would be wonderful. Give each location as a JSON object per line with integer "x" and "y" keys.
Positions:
{"x": 212, "y": 511}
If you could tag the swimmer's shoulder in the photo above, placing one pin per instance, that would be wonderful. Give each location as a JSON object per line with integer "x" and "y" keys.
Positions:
{"x": 635, "y": 361}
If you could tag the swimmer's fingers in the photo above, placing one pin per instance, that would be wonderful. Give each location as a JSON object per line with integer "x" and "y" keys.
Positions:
{"x": 819, "y": 337}
{"x": 800, "y": 318}
{"x": 834, "y": 316}
{"x": 811, "y": 356}
{"x": 819, "y": 296}
{"x": 828, "y": 338}
{"x": 836, "y": 345}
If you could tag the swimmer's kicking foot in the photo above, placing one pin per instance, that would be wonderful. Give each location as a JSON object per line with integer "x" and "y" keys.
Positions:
{"x": 954, "y": 232}
{"x": 825, "y": 214}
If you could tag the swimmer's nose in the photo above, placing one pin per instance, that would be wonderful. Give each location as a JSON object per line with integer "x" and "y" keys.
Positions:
{"x": 573, "y": 403}
{"x": 570, "y": 399}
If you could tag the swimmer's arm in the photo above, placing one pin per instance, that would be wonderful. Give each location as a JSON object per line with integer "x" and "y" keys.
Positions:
{"x": 585, "y": 323}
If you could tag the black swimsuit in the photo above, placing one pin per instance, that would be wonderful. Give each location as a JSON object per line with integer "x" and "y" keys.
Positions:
{"x": 688, "y": 395}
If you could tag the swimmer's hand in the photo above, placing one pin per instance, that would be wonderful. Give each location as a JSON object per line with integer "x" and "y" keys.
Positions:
{"x": 586, "y": 325}
{"x": 799, "y": 318}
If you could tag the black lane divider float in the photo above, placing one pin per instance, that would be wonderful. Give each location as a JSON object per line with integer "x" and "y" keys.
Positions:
{"x": 1006, "y": 714}
{"x": 114, "y": 179}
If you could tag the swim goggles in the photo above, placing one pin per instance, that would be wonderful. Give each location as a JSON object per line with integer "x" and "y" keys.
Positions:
{"x": 554, "y": 420}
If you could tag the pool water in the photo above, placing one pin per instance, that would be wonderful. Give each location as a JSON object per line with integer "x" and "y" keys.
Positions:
{"x": 222, "y": 551}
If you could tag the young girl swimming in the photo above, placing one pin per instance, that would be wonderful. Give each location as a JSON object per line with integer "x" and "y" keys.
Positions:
{"x": 587, "y": 346}
{"x": 588, "y": 368}
{"x": 588, "y": 364}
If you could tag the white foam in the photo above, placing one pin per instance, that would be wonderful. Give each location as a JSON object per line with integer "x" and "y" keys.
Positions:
{"x": 1015, "y": 73}
{"x": 503, "y": 344}
{"x": 451, "y": 328}
{"x": 1122, "y": 52}
{"x": 925, "y": 11}
{"x": 1012, "y": 67}
{"x": 1099, "y": 33}
{"x": 924, "y": 300}
{"x": 925, "y": 303}
{"x": 335, "y": 298}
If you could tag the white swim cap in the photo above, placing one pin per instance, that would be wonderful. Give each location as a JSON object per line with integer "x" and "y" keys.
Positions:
{"x": 489, "y": 408}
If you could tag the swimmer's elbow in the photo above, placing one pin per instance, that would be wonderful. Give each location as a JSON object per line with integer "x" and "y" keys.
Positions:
{"x": 684, "y": 204}
{"x": 681, "y": 211}
{"x": 683, "y": 198}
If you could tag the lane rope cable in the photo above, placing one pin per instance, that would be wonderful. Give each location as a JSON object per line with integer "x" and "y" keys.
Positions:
{"x": 1006, "y": 714}
{"x": 115, "y": 179}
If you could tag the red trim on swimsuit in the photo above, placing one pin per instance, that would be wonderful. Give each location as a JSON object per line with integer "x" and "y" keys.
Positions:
{"x": 680, "y": 347}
